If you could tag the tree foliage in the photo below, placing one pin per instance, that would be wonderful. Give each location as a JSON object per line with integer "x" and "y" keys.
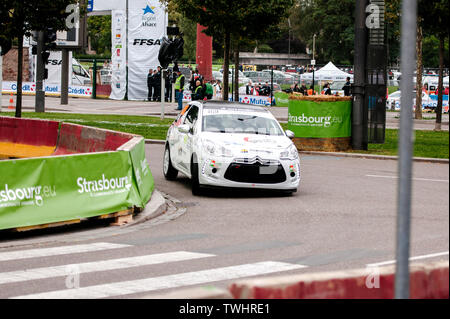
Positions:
{"x": 20, "y": 17}
{"x": 99, "y": 30}
{"x": 333, "y": 23}
{"x": 233, "y": 19}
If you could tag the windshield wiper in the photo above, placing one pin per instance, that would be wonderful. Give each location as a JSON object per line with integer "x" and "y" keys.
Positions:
{"x": 248, "y": 118}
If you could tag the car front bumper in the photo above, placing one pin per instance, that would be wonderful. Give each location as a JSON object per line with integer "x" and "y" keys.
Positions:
{"x": 224, "y": 172}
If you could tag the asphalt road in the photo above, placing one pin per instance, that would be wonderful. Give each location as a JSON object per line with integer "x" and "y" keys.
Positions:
{"x": 343, "y": 217}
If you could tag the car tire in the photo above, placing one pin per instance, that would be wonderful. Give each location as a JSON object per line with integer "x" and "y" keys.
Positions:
{"x": 170, "y": 172}
{"x": 194, "y": 177}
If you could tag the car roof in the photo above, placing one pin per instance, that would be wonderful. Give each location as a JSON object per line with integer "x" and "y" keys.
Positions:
{"x": 210, "y": 104}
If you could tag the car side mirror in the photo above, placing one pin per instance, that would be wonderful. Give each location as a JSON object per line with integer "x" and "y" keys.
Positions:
{"x": 290, "y": 134}
{"x": 184, "y": 128}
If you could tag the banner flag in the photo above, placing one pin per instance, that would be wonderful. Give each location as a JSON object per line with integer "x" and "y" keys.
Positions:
{"x": 320, "y": 119}
{"x": 118, "y": 54}
{"x": 147, "y": 24}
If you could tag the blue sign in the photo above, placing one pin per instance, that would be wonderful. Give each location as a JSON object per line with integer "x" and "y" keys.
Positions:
{"x": 90, "y": 5}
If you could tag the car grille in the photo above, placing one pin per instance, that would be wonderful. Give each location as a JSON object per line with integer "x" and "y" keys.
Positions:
{"x": 256, "y": 171}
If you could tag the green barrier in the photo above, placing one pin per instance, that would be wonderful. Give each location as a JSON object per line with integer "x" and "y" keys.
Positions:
{"x": 325, "y": 119}
{"x": 281, "y": 99}
{"x": 62, "y": 188}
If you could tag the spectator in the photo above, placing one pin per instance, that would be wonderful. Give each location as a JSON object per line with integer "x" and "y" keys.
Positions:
{"x": 179, "y": 86}
{"x": 265, "y": 90}
{"x": 248, "y": 88}
{"x": 198, "y": 91}
{"x": 303, "y": 89}
{"x": 157, "y": 84}
{"x": 347, "y": 87}
{"x": 208, "y": 90}
{"x": 218, "y": 88}
{"x": 327, "y": 89}
{"x": 150, "y": 84}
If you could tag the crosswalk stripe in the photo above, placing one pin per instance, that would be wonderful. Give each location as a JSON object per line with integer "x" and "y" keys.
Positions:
{"x": 55, "y": 251}
{"x": 113, "y": 264}
{"x": 165, "y": 282}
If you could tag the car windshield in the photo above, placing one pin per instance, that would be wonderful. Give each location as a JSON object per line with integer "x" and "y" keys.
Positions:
{"x": 241, "y": 123}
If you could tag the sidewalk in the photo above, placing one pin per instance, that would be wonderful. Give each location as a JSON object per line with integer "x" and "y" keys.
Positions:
{"x": 102, "y": 106}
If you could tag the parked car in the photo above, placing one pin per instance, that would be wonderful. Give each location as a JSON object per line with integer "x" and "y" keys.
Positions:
{"x": 230, "y": 144}
{"x": 393, "y": 100}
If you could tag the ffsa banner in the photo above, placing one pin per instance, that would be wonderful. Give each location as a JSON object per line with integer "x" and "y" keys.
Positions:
{"x": 147, "y": 24}
{"x": 118, "y": 54}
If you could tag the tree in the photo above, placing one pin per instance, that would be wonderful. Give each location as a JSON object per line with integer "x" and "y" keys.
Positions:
{"x": 435, "y": 15}
{"x": 27, "y": 15}
{"x": 99, "y": 30}
{"x": 332, "y": 21}
{"x": 227, "y": 18}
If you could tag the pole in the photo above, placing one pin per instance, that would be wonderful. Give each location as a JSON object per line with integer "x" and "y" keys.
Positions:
{"x": 408, "y": 62}
{"x": 65, "y": 77}
{"x": 271, "y": 85}
{"x": 289, "y": 46}
{"x": 94, "y": 79}
{"x": 359, "y": 112}
{"x": 163, "y": 89}
{"x": 314, "y": 65}
{"x": 40, "y": 93}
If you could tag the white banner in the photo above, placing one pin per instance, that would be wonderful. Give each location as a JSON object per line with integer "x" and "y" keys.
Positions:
{"x": 118, "y": 55}
{"x": 147, "y": 24}
{"x": 29, "y": 88}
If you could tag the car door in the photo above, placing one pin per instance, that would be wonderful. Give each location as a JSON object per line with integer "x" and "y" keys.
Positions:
{"x": 186, "y": 139}
{"x": 175, "y": 140}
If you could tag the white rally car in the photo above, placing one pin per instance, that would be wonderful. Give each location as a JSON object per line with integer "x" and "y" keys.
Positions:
{"x": 230, "y": 144}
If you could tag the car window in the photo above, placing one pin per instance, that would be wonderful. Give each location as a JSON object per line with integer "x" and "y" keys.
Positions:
{"x": 191, "y": 116}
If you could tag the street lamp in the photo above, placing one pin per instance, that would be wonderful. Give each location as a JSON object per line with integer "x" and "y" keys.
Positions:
{"x": 289, "y": 46}
{"x": 313, "y": 61}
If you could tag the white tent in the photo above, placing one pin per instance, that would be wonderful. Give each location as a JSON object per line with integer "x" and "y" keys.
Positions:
{"x": 328, "y": 73}
{"x": 446, "y": 80}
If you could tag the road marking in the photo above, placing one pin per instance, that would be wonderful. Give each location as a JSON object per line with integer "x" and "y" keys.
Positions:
{"x": 416, "y": 179}
{"x": 113, "y": 264}
{"x": 165, "y": 282}
{"x": 55, "y": 251}
{"x": 410, "y": 259}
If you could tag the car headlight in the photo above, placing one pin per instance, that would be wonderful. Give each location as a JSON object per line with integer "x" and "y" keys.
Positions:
{"x": 290, "y": 153}
{"x": 214, "y": 149}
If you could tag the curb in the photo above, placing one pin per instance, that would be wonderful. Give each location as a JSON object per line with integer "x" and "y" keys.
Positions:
{"x": 353, "y": 155}
{"x": 154, "y": 208}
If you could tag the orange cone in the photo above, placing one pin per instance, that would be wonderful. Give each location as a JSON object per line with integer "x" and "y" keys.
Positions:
{"x": 11, "y": 102}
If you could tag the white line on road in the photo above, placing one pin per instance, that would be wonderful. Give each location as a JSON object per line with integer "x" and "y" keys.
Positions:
{"x": 55, "y": 251}
{"x": 165, "y": 282}
{"x": 416, "y": 179}
{"x": 389, "y": 262}
{"x": 113, "y": 264}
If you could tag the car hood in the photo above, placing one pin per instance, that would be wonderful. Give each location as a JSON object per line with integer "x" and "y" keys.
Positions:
{"x": 250, "y": 145}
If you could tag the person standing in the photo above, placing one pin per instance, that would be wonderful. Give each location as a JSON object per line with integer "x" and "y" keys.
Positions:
{"x": 347, "y": 87}
{"x": 179, "y": 86}
{"x": 157, "y": 78}
{"x": 150, "y": 84}
{"x": 208, "y": 90}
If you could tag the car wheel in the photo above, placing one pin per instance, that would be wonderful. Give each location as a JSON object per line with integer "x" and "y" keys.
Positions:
{"x": 194, "y": 178}
{"x": 170, "y": 173}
